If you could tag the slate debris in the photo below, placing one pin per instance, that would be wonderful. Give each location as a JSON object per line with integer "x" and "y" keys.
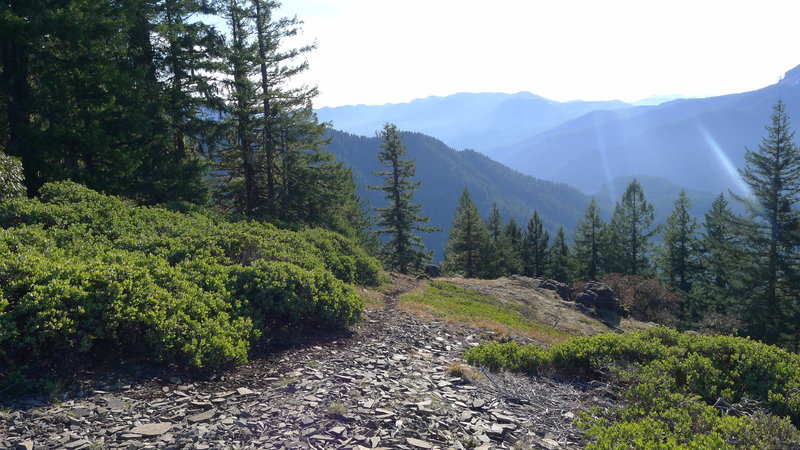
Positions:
{"x": 387, "y": 386}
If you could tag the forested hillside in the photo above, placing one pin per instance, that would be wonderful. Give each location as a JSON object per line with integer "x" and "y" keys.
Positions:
{"x": 444, "y": 173}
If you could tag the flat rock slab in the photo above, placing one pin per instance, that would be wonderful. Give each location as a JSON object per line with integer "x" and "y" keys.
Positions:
{"x": 202, "y": 417}
{"x": 152, "y": 429}
{"x": 419, "y": 443}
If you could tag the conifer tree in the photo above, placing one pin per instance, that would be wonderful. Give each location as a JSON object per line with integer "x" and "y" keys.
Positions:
{"x": 714, "y": 288}
{"x": 534, "y": 247}
{"x": 466, "y": 251}
{"x": 588, "y": 243}
{"x": 630, "y": 233}
{"x": 512, "y": 245}
{"x": 81, "y": 97}
{"x": 494, "y": 266}
{"x": 401, "y": 218}
{"x": 771, "y": 233}
{"x": 559, "y": 263}
{"x": 678, "y": 254}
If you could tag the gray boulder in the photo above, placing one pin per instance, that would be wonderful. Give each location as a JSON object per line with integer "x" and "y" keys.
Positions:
{"x": 433, "y": 271}
{"x": 598, "y": 295}
{"x": 561, "y": 289}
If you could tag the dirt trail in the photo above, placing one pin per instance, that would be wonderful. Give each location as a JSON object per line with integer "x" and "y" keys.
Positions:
{"x": 388, "y": 385}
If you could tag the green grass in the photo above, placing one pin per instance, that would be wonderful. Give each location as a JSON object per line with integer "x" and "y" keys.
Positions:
{"x": 452, "y": 303}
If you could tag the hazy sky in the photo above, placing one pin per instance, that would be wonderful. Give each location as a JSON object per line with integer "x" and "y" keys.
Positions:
{"x": 381, "y": 51}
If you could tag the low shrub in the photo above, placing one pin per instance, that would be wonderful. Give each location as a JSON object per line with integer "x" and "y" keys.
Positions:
{"x": 345, "y": 259}
{"x": 88, "y": 275}
{"x": 645, "y": 299}
{"x": 282, "y": 294}
{"x": 11, "y": 178}
{"x": 672, "y": 379}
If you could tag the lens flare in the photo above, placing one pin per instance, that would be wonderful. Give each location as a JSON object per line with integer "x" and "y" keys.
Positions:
{"x": 734, "y": 179}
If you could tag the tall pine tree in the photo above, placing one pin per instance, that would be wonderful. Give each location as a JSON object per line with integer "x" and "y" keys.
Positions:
{"x": 559, "y": 264}
{"x": 404, "y": 250}
{"x": 468, "y": 247}
{"x": 715, "y": 287}
{"x": 630, "y": 233}
{"x": 534, "y": 247}
{"x": 512, "y": 245}
{"x": 771, "y": 233}
{"x": 588, "y": 243}
{"x": 678, "y": 254}
{"x": 494, "y": 252}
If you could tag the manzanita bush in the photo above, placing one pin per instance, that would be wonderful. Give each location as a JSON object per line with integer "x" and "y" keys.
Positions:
{"x": 88, "y": 275}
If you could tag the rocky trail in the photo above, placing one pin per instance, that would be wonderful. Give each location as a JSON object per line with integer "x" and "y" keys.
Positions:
{"x": 388, "y": 385}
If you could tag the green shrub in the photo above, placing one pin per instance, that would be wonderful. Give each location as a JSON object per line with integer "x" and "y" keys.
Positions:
{"x": 85, "y": 274}
{"x": 11, "y": 178}
{"x": 672, "y": 380}
{"x": 348, "y": 261}
{"x": 278, "y": 293}
{"x": 118, "y": 305}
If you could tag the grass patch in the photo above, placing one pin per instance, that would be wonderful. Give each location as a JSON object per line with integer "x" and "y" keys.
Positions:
{"x": 283, "y": 382}
{"x": 463, "y": 371}
{"x": 448, "y": 302}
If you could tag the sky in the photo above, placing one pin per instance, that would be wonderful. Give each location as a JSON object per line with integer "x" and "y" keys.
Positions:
{"x": 391, "y": 51}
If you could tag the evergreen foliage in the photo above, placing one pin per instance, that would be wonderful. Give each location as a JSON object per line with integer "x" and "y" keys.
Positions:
{"x": 678, "y": 254}
{"x": 511, "y": 245}
{"x": 83, "y": 98}
{"x": 672, "y": 380}
{"x": 771, "y": 233}
{"x": 629, "y": 233}
{"x": 534, "y": 247}
{"x": 713, "y": 291}
{"x": 11, "y": 178}
{"x": 150, "y": 100}
{"x": 559, "y": 263}
{"x": 401, "y": 218}
{"x": 588, "y": 244}
{"x": 468, "y": 247}
{"x": 86, "y": 277}
{"x": 495, "y": 261}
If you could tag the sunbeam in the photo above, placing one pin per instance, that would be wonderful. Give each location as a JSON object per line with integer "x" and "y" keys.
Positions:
{"x": 724, "y": 161}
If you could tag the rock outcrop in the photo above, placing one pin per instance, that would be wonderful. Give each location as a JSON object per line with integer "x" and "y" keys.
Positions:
{"x": 599, "y": 295}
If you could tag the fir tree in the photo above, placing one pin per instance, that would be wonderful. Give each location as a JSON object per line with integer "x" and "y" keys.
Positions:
{"x": 713, "y": 290}
{"x": 512, "y": 245}
{"x": 629, "y": 233}
{"x": 467, "y": 248}
{"x": 401, "y": 218}
{"x": 588, "y": 244}
{"x": 534, "y": 247}
{"x": 677, "y": 258}
{"x": 770, "y": 233}
{"x": 559, "y": 263}
{"x": 495, "y": 261}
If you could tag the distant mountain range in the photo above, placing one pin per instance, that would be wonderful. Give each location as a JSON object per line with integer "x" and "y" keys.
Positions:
{"x": 445, "y": 172}
{"x": 479, "y": 122}
{"x": 696, "y": 143}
